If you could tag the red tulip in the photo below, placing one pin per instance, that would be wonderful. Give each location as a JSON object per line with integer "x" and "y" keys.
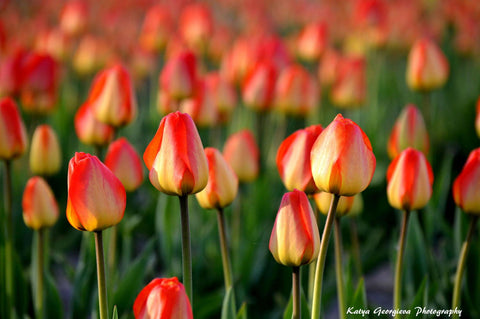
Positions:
{"x": 156, "y": 28}
{"x": 179, "y": 76}
{"x": 123, "y": 160}
{"x": 112, "y": 97}
{"x": 327, "y": 68}
{"x": 259, "y": 87}
{"x": 409, "y": 131}
{"x": 201, "y": 106}
{"x": 163, "y": 298}
{"x": 370, "y": 19}
{"x": 312, "y": 41}
{"x": 239, "y": 61}
{"x": 342, "y": 159}
{"x": 175, "y": 157}
{"x": 242, "y": 153}
{"x": 74, "y": 17}
{"x": 410, "y": 180}
{"x": 13, "y": 136}
{"x": 224, "y": 95}
{"x": 96, "y": 198}
{"x": 349, "y": 88}
{"x": 466, "y": 187}
{"x": 293, "y": 159}
{"x": 196, "y": 26}
{"x": 89, "y": 130}
{"x": 477, "y": 118}
{"x": 91, "y": 55}
{"x": 45, "y": 153}
{"x": 295, "y": 240}
{"x": 222, "y": 185}
{"x": 11, "y": 72}
{"x": 39, "y": 206}
{"x": 53, "y": 42}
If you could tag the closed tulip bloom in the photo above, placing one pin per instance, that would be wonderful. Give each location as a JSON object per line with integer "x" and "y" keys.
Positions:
{"x": 222, "y": 185}
{"x": 408, "y": 131}
{"x": 74, "y": 17}
{"x": 13, "y": 135}
{"x": 349, "y": 88}
{"x": 295, "y": 240}
{"x": 225, "y": 98}
{"x": 242, "y": 153}
{"x": 96, "y": 197}
{"x": 196, "y": 26}
{"x": 91, "y": 55}
{"x": 39, "y": 206}
{"x": 91, "y": 131}
{"x": 312, "y": 41}
{"x": 112, "y": 97}
{"x": 258, "y": 89}
{"x": 477, "y": 118}
{"x": 293, "y": 159}
{"x": 327, "y": 68}
{"x": 163, "y": 298}
{"x": 409, "y": 180}
{"x": 323, "y": 201}
{"x": 342, "y": 158}
{"x": 45, "y": 153}
{"x": 175, "y": 157}
{"x": 427, "y": 66}
{"x": 156, "y": 29}
{"x": 179, "y": 76}
{"x": 123, "y": 160}
{"x": 466, "y": 187}
{"x": 201, "y": 106}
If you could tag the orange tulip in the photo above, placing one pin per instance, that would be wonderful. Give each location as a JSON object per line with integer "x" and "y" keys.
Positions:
{"x": 295, "y": 240}
{"x": 96, "y": 198}
{"x": 327, "y": 68}
{"x": 39, "y": 206}
{"x": 162, "y": 298}
{"x": 201, "y": 106}
{"x": 293, "y": 159}
{"x": 323, "y": 201}
{"x": 91, "y": 55}
{"x": 349, "y": 88}
{"x": 240, "y": 60}
{"x": 224, "y": 95}
{"x": 466, "y": 187}
{"x": 242, "y": 153}
{"x": 342, "y": 159}
{"x": 179, "y": 76}
{"x": 45, "y": 153}
{"x": 196, "y": 26}
{"x": 13, "y": 136}
{"x": 259, "y": 87}
{"x": 175, "y": 157}
{"x": 222, "y": 185}
{"x": 123, "y": 160}
{"x": 74, "y": 17}
{"x": 156, "y": 29}
{"x": 312, "y": 41}
{"x": 112, "y": 97}
{"x": 477, "y": 118}
{"x": 89, "y": 130}
{"x": 410, "y": 180}
{"x": 427, "y": 66}
{"x": 409, "y": 131}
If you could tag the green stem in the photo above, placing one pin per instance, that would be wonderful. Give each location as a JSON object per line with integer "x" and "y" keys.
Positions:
{"x": 461, "y": 264}
{"x": 10, "y": 301}
{"x": 317, "y": 288}
{"x": 296, "y": 310}
{"x": 313, "y": 264}
{"x": 40, "y": 260}
{"x": 186, "y": 247}
{"x": 102, "y": 286}
{"x": 227, "y": 269}
{"x": 356, "y": 247}
{"x": 338, "y": 268}
{"x": 398, "y": 269}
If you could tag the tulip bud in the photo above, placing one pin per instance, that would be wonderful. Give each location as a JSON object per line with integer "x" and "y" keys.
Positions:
{"x": 39, "y": 206}
{"x": 123, "y": 160}
{"x": 240, "y": 60}
{"x": 13, "y": 136}
{"x": 327, "y": 68}
{"x": 74, "y": 17}
{"x": 349, "y": 88}
{"x": 54, "y": 42}
{"x": 96, "y": 198}
{"x": 323, "y": 201}
{"x": 91, "y": 55}
{"x": 242, "y": 153}
{"x": 477, "y": 118}
{"x": 342, "y": 159}
{"x": 45, "y": 153}
{"x": 293, "y": 159}
{"x": 196, "y": 26}
{"x": 409, "y": 179}
{"x": 312, "y": 41}
{"x": 201, "y": 106}
{"x": 222, "y": 185}
{"x": 175, "y": 157}
{"x": 409, "y": 131}
{"x": 259, "y": 87}
{"x": 179, "y": 76}
{"x": 11, "y": 72}
{"x": 89, "y": 130}
{"x": 466, "y": 187}
{"x": 163, "y": 298}
{"x": 427, "y": 66}
{"x": 112, "y": 98}
{"x": 295, "y": 240}
{"x": 156, "y": 29}
{"x": 224, "y": 95}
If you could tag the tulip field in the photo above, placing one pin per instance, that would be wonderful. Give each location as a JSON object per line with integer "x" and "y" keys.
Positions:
{"x": 239, "y": 159}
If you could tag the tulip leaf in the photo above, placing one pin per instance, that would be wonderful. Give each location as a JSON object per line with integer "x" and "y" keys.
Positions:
{"x": 242, "y": 313}
{"x": 115, "y": 312}
{"x": 303, "y": 307}
{"x": 53, "y": 302}
{"x": 228, "y": 306}
{"x": 421, "y": 297}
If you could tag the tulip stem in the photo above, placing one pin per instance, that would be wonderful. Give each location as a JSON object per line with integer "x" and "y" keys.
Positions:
{"x": 356, "y": 247}
{"x": 338, "y": 268}
{"x": 10, "y": 301}
{"x": 317, "y": 288}
{"x": 227, "y": 269}
{"x": 186, "y": 247}
{"x": 102, "y": 286}
{"x": 39, "y": 288}
{"x": 398, "y": 268}
{"x": 296, "y": 310}
{"x": 461, "y": 264}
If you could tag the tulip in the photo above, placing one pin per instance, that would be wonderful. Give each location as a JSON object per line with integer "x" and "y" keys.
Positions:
{"x": 91, "y": 55}
{"x": 196, "y": 26}
{"x": 13, "y": 135}
{"x": 201, "y": 106}
{"x": 163, "y": 298}
{"x": 89, "y": 130}
{"x": 293, "y": 159}
{"x": 112, "y": 97}
{"x": 240, "y": 60}
{"x": 179, "y": 76}
{"x": 259, "y": 87}
{"x": 123, "y": 160}
{"x": 370, "y": 18}
{"x": 342, "y": 159}
{"x": 409, "y": 131}
{"x": 427, "y": 66}
{"x": 224, "y": 95}
{"x": 466, "y": 190}
{"x": 410, "y": 180}
{"x": 477, "y": 118}
{"x": 323, "y": 201}
{"x": 327, "y": 68}
{"x": 74, "y": 17}
{"x": 45, "y": 153}
{"x": 156, "y": 29}
{"x": 312, "y": 41}
{"x": 11, "y": 73}
{"x": 40, "y": 209}
{"x": 242, "y": 153}
{"x": 55, "y": 43}
{"x": 349, "y": 88}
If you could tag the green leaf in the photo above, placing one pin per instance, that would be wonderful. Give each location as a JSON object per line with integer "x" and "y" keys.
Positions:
{"x": 303, "y": 307}
{"x": 421, "y": 297}
{"x": 115, "y": 313}
{"x": 359, "y": 300}
{"x": 228, "y": 306}
{"x": 53, "y": 302}
{"x": 242, "y": 313}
